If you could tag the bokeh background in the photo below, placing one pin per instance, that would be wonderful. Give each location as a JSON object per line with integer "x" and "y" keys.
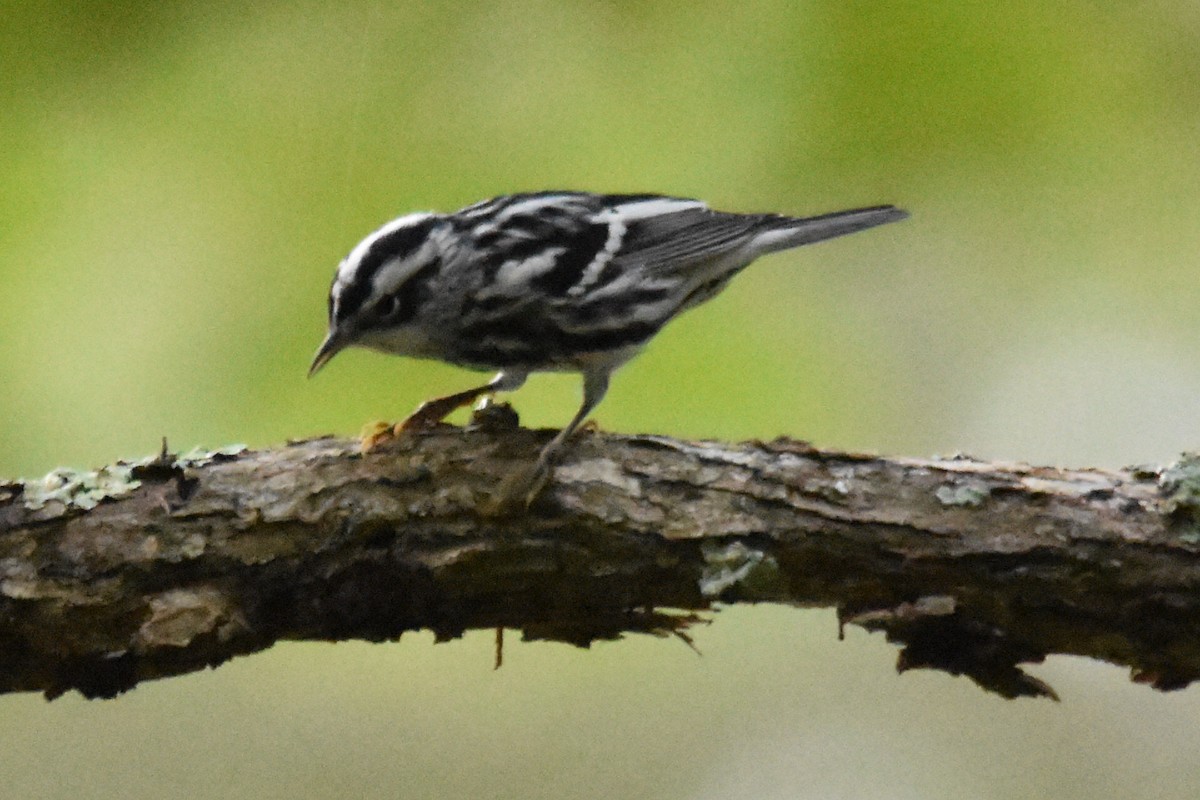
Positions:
{"x": 179, "y": 181}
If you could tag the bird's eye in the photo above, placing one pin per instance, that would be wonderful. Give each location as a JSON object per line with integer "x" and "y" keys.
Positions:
{"x": 387, "y": 305}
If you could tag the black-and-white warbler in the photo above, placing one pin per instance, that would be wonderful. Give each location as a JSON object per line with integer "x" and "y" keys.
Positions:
{"x": 551, "y": 281}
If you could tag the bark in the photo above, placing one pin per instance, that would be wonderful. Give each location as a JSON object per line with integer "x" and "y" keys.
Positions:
{"x": 142, "y": 571}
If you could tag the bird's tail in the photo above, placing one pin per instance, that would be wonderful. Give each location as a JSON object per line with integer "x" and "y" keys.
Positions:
{"x": 781, "y": 233}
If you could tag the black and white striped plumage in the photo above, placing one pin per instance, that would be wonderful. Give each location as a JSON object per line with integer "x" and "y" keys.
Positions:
{"x": 562, "y": 281}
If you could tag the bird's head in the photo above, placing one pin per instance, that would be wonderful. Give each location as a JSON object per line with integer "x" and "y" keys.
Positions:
{"x": 379, "y": 288}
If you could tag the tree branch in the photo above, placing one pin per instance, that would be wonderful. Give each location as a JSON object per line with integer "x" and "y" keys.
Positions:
{"x": 164, "y": 567}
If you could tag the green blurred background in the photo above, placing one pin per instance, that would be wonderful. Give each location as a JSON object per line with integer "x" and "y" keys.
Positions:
{"x": 179, "y": 182}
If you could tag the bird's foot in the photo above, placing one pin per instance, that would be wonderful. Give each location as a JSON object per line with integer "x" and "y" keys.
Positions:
{"x": 431, "y": 413}
{"x": 374, "y": 434}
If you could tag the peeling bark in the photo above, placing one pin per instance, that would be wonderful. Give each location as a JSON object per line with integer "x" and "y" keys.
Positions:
{"x": 143, "y": 571}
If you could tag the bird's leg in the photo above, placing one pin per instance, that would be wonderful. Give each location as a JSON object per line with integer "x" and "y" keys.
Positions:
{"x": 427, "y": 415}
{"x": 431, "y": 412}
{"x": 519, "y": 489}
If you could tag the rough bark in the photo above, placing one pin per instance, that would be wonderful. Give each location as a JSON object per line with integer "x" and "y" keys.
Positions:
{"x": 180, "y": 562}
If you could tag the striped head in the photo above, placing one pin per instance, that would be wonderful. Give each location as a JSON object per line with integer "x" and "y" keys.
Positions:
{"x": 379, "y": 287}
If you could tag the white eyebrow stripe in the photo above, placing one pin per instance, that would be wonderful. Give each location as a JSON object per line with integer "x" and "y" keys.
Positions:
{"x": 352, "y": 261}
{"x": 395, "y": 272}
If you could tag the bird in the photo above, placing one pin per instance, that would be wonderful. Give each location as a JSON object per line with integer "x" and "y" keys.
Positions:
{"x": 551, "y": 281}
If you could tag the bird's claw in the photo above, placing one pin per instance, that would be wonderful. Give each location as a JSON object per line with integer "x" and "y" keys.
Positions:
{"x": 428, "y": 415}
{"x": 431, "y": 413}
{"x": 374, "y": 434}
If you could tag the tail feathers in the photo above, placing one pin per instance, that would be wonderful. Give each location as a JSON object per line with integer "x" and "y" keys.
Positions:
{"x": 781, "y": 233}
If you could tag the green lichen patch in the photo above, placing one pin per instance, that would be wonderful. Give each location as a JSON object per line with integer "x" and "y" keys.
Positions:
{"x": 966, "y": 494}
{"x": 80, "y": 489}
{"x": 85, "y": 489}
{"x": 1179, "y": 485}
{"x": 753, "y": 572}
{"x": 198, "y": 456}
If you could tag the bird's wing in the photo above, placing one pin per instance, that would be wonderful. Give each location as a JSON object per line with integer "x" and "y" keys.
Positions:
{"x": 684, "y": 233}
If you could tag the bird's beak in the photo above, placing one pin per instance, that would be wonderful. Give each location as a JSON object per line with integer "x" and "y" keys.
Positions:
{"x": 329, "y": 348}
